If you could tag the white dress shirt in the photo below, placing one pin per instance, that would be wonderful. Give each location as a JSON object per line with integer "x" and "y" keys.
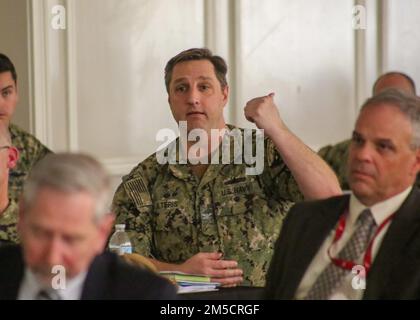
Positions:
{"x": 380, "y": 212}
{"x": 31, "y": 286}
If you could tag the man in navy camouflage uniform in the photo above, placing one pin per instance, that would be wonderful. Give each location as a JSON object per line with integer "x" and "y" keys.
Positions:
{"x": 216, "y": 219}
{"x": 30, "y": 148}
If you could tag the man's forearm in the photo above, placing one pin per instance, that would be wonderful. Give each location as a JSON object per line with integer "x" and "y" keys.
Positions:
{"x": 164, "y": 266}
{"x": 314, "y": 177}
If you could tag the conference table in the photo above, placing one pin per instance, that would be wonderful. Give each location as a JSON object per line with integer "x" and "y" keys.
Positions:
{"x": 236, "y": 293}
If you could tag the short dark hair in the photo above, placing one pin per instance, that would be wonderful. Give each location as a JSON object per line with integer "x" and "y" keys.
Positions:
{"x": 7, "y": 65}
{"x": 396, "y": 73}
{"x": 219, "y": 64}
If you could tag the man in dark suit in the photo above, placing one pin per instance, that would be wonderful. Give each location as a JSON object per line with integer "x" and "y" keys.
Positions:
{"x": 365, "y": 245}
{"x": 64, "y": 226}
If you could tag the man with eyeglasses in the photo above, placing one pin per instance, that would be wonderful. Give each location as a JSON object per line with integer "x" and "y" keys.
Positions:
{"x": 8, "y": 206}
{"x": 64, "y": 223}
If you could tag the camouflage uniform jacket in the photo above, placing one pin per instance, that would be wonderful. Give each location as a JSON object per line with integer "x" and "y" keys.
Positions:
{"x": 31, "y": 151}
{"x": 336, "y": 156}
{"x": 171, "y": 215}
{"x": 8, "y": 223}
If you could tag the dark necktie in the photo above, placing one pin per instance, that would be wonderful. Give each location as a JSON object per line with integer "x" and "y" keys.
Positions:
{"x": 44, "y": 294}
{"x": 332, "y": 276}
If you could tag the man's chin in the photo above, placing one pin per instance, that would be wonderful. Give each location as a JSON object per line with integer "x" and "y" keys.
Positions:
{"x": 195, "y": 124}
{"x": 359, "y": 185}
{"x": 361, "y": 189}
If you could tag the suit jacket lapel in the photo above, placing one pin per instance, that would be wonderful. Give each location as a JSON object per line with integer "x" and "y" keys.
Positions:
{"x": 96, "y": 283}
{"x": 315, "y": 229}
{"x": 11, "y": 274}
{"x": 392, "y": 250}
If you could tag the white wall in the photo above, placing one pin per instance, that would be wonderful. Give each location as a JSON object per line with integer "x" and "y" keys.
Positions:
{"x": 119, "y": 65}
{"x": 304, "y": 51}
{"x": 97, "y": 86}
{"x": 14, "y": 43}
{"x": 402, "y": 43}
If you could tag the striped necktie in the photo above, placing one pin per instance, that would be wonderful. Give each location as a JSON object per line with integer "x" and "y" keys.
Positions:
{"x": 45, "y": 294}
{"x": 332, "y": 276}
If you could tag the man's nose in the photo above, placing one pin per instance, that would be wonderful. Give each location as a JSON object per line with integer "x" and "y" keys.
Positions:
{"x": 363, "y": 152}
{"x": 194, "y": 96}
{"x": 54, "y": 253}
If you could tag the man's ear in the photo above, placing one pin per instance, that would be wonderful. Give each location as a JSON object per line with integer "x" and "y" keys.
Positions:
{"x": 13, "y": 157}
{"x": 17, "y": 92}
{"x": 416, "y": 164}
{"x": 418, "y": 159}
{"x": 21, "y": 219}
{"x": 225, "y": 93}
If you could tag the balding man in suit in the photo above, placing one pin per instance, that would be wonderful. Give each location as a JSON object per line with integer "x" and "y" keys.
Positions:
{"x": 364, "y": 245}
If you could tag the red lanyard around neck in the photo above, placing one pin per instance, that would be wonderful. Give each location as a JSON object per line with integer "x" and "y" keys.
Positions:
{"x": 367, "y": 260}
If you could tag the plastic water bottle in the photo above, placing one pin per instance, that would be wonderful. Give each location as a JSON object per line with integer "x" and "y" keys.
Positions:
{"x": 120, "y": 242}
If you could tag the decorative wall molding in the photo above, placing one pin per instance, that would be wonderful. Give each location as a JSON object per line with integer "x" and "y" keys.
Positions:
{"x": 383, "y": 44}
{"x": 121, "y": 166}
{"x": 72, "y": 110}
{"x": 218, "y": 25}
{"x": 235, "y": 37}
{"x": 360, "y": 61}
{"x": 222, "y": 34}
{"x": 368, "y": 51}
{"x": 38, "y": 83}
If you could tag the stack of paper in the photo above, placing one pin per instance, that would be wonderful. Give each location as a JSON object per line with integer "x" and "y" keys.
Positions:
{"x": 190, "y": 282}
